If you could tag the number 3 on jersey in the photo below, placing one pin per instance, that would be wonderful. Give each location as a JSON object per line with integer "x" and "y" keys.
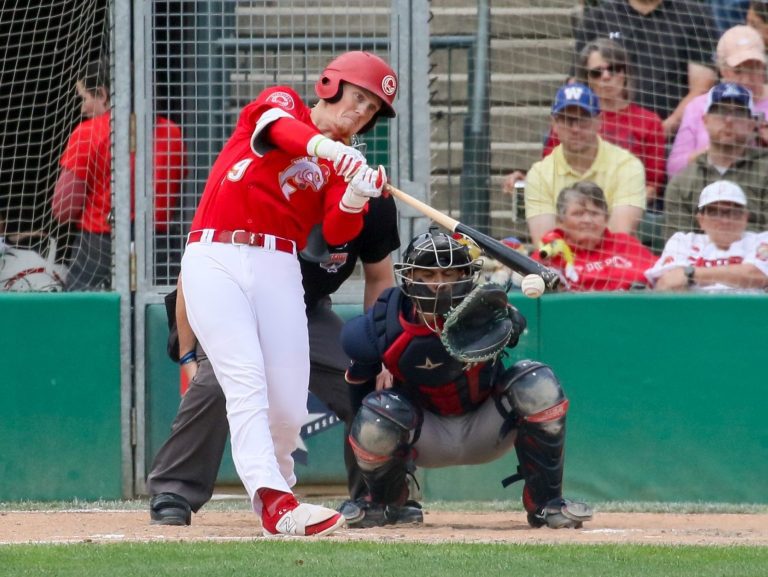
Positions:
{"x": 238, "y": 169}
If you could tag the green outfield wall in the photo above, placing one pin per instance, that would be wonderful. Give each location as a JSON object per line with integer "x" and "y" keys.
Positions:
{"x": 60, "y": 410}
{"x": 666, "y": 399}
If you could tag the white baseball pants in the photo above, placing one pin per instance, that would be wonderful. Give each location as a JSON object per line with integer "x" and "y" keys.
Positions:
{"x": 246, "y": 307}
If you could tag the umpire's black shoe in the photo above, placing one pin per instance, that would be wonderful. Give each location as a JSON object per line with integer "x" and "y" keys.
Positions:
{"x": 169, "y": 509}
{"x": 361, "y": 514}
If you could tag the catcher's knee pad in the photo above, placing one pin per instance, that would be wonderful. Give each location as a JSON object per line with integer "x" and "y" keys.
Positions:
{"x": 381, "y": 436}
{"x": 383, "y": 429}
{"x": 529, "y": 393}
{"x": 530, "y": 398}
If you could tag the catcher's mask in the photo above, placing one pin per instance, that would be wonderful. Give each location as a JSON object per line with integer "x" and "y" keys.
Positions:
{"x": 437, "y": 251}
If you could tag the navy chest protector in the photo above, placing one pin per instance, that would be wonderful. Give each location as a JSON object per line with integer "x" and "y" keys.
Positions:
{"x": 421, "y": 365}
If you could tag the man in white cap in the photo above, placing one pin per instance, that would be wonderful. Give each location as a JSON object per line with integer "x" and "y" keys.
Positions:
{"x": 724, "y": 258}
{"x": 740, "y": 59}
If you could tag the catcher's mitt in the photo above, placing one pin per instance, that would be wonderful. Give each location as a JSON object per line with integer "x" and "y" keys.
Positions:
{"x": 482, "y": 325}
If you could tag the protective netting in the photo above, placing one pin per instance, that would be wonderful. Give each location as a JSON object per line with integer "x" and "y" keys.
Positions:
{"x": 495, "y": 70}
{"x": 635, "y": 119}
{"x": 211, "y": 59}
{"x": 44, "y": 47}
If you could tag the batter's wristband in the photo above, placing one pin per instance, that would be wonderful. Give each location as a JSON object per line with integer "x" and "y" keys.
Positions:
{"x": 188, "y": 358}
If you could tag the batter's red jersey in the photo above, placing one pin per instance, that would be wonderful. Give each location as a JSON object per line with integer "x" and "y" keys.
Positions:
{"x": 277, "y": 190}
{"x": 89, "y": 158}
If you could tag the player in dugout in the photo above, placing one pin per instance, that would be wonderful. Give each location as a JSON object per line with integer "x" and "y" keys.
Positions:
{"x": 286, "y": 168}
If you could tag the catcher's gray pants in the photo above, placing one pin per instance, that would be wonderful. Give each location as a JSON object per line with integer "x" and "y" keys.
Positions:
{"x": 188, "y": 462}
{"x": 469, "y": 439}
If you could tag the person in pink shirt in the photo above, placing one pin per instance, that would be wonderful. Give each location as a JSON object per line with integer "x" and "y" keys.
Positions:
{"x": 741, "y": 60}
{"x": 604, "y": 66}
{"x": 586, "y": 254}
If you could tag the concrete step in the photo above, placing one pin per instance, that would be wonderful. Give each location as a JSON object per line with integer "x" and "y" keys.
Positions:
{"x": 506, "y": 212}
{"x": 508, "y": 123}
{"x": 506, "y": 22}
{"x": 357, "y": 18}
{"x": 505, "y": 156}
{"x": 506, "y": 89}
{"x": 576, "y": 4}
{"x": 517, "y": 56}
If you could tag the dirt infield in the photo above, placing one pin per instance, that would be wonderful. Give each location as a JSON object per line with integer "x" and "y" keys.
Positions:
{"x": 650, "y": 528}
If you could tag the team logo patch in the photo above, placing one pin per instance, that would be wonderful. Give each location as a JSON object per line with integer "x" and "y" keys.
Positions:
{"x": 302, "y": 174}
{"x": 389, "y": 85}
{"x": 762, "y": 251}
{"x": 282, "y": 99}
{"x": 337, "y": 260}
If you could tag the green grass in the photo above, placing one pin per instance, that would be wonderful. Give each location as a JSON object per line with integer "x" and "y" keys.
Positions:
{"x": 333, "y": 559}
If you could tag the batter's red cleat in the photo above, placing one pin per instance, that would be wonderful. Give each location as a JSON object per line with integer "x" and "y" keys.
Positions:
{"x": 284, "y": 515}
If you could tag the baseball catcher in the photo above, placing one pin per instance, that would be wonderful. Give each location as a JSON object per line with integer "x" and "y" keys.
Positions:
{"x": 452, "y": 401}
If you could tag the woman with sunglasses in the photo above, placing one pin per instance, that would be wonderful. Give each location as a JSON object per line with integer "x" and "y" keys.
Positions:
{"x": 604, "y": 66}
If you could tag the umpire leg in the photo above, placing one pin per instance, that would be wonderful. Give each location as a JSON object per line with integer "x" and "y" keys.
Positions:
{"x": 188, "y": 462}
{"x": 328, "y": 363}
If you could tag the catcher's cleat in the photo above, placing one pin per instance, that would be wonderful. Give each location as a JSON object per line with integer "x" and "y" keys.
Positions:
{"x": 305, "y": 519}
{"x": 561, "y": 514}
{"x": 362, "y": 514}
{"x": 169, "y": 509}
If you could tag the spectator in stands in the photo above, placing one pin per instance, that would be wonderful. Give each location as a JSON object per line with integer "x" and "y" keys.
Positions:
{"x": 728, "y": 13}
{"x": 588, "y": 256}
{"x": 730, "y": 124}
{"x": 740, "y": 59}
{"x": 725, "y": 257}
{"x": 583, "y": 155}
{"x": 757, "y": 18}
{"x": 604, "y": 66}
{"x": 83, "y": 192}
{"x": 670, "y": 43}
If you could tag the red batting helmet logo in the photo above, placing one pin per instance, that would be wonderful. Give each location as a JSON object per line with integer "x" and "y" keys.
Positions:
{"x": 389, "y": 85}
{"x": 302, "y": 174}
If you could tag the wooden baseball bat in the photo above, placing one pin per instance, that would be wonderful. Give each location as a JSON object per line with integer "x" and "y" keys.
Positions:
{"x": 505, "y": 255}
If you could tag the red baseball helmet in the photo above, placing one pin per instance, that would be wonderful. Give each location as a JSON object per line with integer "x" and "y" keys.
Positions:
{"x": 361, "y": 69}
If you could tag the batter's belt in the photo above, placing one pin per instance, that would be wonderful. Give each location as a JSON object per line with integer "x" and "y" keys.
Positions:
{"x": 243, "y": 237}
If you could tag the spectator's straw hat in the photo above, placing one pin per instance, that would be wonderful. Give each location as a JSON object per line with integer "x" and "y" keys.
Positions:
{"x": 722, "y": 191}
{"x": 739, "y": 44}
{"x": 576, "y": 94}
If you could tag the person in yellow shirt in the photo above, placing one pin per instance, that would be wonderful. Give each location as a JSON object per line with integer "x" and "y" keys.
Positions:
{"x": 583, "y": 155}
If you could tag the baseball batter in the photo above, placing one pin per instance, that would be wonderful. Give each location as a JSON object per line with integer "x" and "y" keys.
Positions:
{"x": 286, "y": 168}
{"x": 185, "y": 468}
{"x": 442, "y": 411}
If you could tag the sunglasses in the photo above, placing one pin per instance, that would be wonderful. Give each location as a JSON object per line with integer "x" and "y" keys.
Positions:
{"x": 612, "y": 69}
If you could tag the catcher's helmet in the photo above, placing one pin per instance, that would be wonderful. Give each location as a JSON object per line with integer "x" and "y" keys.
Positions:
{"x": 361, "y": 69}
{"x": 436, "y": 250}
